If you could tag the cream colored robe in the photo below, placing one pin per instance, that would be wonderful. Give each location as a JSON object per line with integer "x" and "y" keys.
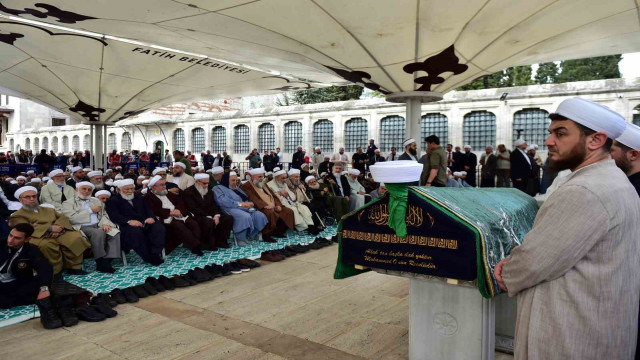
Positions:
{"x": 51, "y": 194}
{"x": 302, "y": 215}
{"x": 185, "y": 181}
{"x": 577, "y": 274}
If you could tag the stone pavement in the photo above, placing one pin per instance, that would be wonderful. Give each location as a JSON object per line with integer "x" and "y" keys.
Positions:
{"x": 287, "y": 310}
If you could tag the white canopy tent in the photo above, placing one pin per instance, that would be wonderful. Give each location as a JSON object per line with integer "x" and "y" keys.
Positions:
{"x": 104, "y": 60}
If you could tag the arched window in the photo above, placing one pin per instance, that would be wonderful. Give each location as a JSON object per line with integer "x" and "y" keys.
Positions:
{"x": 292, "y": 136}
{"x": 219, "y": 139}
{"x": 36, "y": 145}
{"x": 355, "y": 134}
{"x": 65, "y": 144}
{"x": 534, "y": 124}
{"x": 434, "y": 124}
{"x": 27, "y": 144}
{"x": 75, "y": 143}
{"x": 479, "y": 130}
{"x": 86, "y": 142}
{"x": 111, "y": 142}
{"x": 125, "y": 143}
{"x": 392, "y": 132}
{"x": 11, "y": 145}
{"x": 241, "y": 139}
{"x": 323, "y": 135}
{"x": 45, "y": 143}
{"x": 636, "y": 115}
{"x": 266, "y": 137}
{"x": 197, "y": 140}
{"x": 54, "y": 144}
{"x": 178, "y": 140}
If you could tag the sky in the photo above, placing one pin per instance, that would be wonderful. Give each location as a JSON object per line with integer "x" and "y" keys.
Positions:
{"x": 630, "y": 65}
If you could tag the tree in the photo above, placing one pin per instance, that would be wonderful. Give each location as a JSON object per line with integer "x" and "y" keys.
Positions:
{"x": 513, "y": 76}
{"x": 328, "y": 94}
{"x": 547, "y": 73}
{"x": 602, "y": 67}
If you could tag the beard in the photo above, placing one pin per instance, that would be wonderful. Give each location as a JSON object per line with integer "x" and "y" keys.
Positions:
{"x": 624, "y": 164}
{"x": 29, "y": 207}
{"x": 99, "y": 186}
{"x": 202, "y": 191}
{"x": 258, "y": 184}
{"x": 127, "y": 196}
{"x": 161, "y": 192}
{"x": 571, "y": 160}
{"x": 413, "y": 151}
{"x": 233, "y": 185}
{"x": 337, "y": 175}
{"x": 83, "y": 197}
{"x": 59, "y": 183}
{"x": 314, "y": 187}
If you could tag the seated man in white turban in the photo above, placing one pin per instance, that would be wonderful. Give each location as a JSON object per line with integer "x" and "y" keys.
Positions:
{"x": 53, "y": 235}
{"x": 356, "y": 199}
{"x": 302, "y": 215}
{"x": 77, "y": 174}
{"x": 56, "y": 191}
{"x": 96, "y": 179}
{"x": 299, "y": 191}
{"x": 88, "y": 215}
{"x": 381, "y": 191}
{"x": 216, "y": 176}
{"x": 451, "y": 180}
{"x": 179, "y": 177}
{"x": 103, "y": 196}
{"x": 21, "y": 180}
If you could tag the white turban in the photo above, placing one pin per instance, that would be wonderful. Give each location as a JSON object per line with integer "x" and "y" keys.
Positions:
{"x": 457, "y": 173}
{"x": 21, "y": 178}
{"x": 144, "y": 182}
{"x": 154, "y": 180}
{"x": 142, "y": 177}
{"x": 309, "y": 178}
{"x": 323, "y": 174}
{"x": 294, "y": 172}
{"x": 594, "y": 116}
{"x": 157, "y": 170}
{"x": 75, "y": 168}
{"x": 103, "y": 192}
{"x": 268, "y": 173}
{"x": 119, "y": 177}
{"x": 109, "y": 182}
{"x": 94, "y": 173}
{"x": 631, "y": 137}
{"x": 178, "y": 163}
{"x": 355, "y": 172}
{"x": 217, "y": 170}
{"x": 36, "y": 180}
{"x": 123, "y": 183}
{"x": 23, "y": 189}
{"x": 257, "y": 171}
{"x": 108, "y": 171}
{"x": 233, "y": 173}
{"x": 344, "y": 172}
{"x": 55, "y": 172}
{"x": 144, "y": 191}
{"x": 529, "y": 148}
{"x": 84, "y": 183}
{"x": 13, "y": 182}
{"x": 317, "y": 148}
{"x": 276, "y": 169}
{"x": 86, "y": 169}
{"x": 535, "y": 146}
{"x": 118, "y": 167}
{"x": 408, "y": 142}
{"x": 201, "y": 176}
{"x": 467, "y": 146}
{"x": 463, "y": 172}
{"x": 280, "y": 172}
{"x": 46, "y": 178}
{"x": 31, "y": 172}
{"x": 520, "y": 142}
{"x": 382, "y": 184}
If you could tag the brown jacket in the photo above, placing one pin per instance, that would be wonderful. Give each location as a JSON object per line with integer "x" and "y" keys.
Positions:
{"x": 156, "y": 205}
{"x": 285, "y": 214}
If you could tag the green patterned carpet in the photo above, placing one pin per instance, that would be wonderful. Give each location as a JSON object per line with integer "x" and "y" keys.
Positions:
{"x": 178, "y": 262}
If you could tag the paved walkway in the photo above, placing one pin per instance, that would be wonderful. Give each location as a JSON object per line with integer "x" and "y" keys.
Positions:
{"x": 287, "y": 310}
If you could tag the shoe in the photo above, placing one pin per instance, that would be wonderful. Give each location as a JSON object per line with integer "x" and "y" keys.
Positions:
{"x": 64, "y": 305}
{"x": 242, "y": 267}
{"x": 268, "y": 238}
{"x": 48, "y": 315}
{"x": 76, "y": 272}
{"x": 140, "y": 291}
{"x": 315, "y": 246}
{"x": 215, "y": 272}
{"x": 232, "y": 269}
{"x": 58, "y": 277}
{"x": 197, "y": 251}
{"x": 149, "y": 288}
{"x": 108, "y": 299}
{"x": 283, "y": 253}
{"x": 103, "y": 307}
{"x": 299, "y": 248}
{"x": 224, "y": 270}
{"x": 166, "y": 283}
{"x": 242, "y": 243}
{"x": 324, "y": 241}
{"x": 118, "y": 296}
{"x": 155, "y": 260}
{"x": 104, "y": 265}
{"x": 198, "y": 276}
{"x": 153, "y": 282}
{"x": 270, "y": 256}
{"x": 179, "y": 282}
{"x": 292, "y": 249}
{"x": 204, "y": 273}
{"x": 334, "y": 238}
{"x": 250, "y": 263}
{"x": 189, "y": 279}
{"x": 130, "y": 295}
{"x": 313, "y": 230}
{"x": 90, "y": 314}
{"x": 304, "y": 248}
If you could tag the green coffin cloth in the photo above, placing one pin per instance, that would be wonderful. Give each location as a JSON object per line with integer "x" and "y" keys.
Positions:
{"x": 499, "y": 218}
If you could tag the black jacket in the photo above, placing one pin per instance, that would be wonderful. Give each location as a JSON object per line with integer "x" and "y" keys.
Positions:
{"x": 226, "y": 162}
{"x": 471, "y": 160}
{"x": 635, "y": 181}
{"x": 457, "y": 158}
{"x": 297, "y": 160}
{"x": 120, "y": 211}
{"x": 29, "y": 260}
{"x": 346, "y": 189}
{"x": 324, "y": 166}
{"x": 520, "y": 167}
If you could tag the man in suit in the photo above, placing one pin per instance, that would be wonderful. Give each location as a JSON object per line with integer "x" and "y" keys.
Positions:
{"x": 87, "y": 214}
{"x": 457, "y": 160}
{"x": 56, "y": 191}
{"x": 469, "y": 164}
{"x": 226, "y": 160}
{"x": 179, "y": 177}
{"x": 521, "y": 167}
{"x": 138, "y": 226}
{"x": 297, "y": 159}
{"x": 215, "y": 225}
{"x": 489, "y": 163}
{"x": 169, "y": 208}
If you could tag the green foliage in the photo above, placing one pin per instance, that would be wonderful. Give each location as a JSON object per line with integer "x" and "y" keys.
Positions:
{"x": 547, "y": 73}
{"x": 602, "y": 67}
{"x": 321, "y": 95}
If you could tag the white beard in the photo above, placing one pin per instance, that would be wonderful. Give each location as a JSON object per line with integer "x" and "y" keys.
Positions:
{"x": 202, "y": 191}
{"x": 127, "y": 197}
{"x": 99, "y": 186}
{"x": 258, "y": 184}
{"x": 61, "y": 183}
{"x": 29, "y": 208}
{"x": 161, "y": 192}
{"x": 314, "y": 187}
{"x": 83, "y": 197}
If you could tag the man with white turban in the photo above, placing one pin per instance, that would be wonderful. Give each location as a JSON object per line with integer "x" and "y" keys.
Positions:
{"x": 77, "y": 174}
{"x": 626, "y": 153}
{"x": 356, "y": 199}
{"x": 96, "y": 179}
{"x": 88, "y": 215}
{"x": 301, "y": 213}
{"x": 56, "y": 191}
{"x": 521, "y": 166}
{"x": 298, "y": 189}
{"x": 577, "y": 268}
{"x": 138, "y": 226}
{"x": 179, "y": 177}
{"x": 410, "y": 150}
{"x": 53, "y": 235}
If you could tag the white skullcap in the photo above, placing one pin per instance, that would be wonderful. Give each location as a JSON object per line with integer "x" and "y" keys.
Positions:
{"x": 457, "y": 173}
{"x": 317, "y": 148}
{"x": 323, "y": 174}
{"x": 119, "y": 167}
{"x": 119, "y": 177}
{"x": 94, "y": 173}
{"x": 23, "y": 189}
{"x": 630, "y": 137}
{"x": 109, "y": 182}
{"x": 142, "y": 177}
{"x": 201, "y": 176}
{"x": 257, "y": 171}
{"x": 463, "y": 172}
{"x": 467, "y": 146}
{"x": 594, "y": 116}
{"x": 355, "y": 172}
{"x": 209, "y": 171}
{"x": 75, "y": 168}
{"x": 103, "y": 192}
{"x": 21, "y": 178}
{"x": 520, "y": 141}
{"x": 157, "y": 170}
{"x": 154, "y": 180}
{"x": 268, "y": 173}
{"x": 535, "y": 146}
{"x": 13, "y": 182}
{"x": 55, "y": 172}
{"x": 217, "y": 170}
{"x": 233, "y": 173}
{"x": 84, "y": 183}
{"x": 344, "y": 172}
{"x": 309, "y": 178}
{"x": 50, "y": 206}
{"x": 178, "y": 163}
{"x": 279, "y": 172}
{"x": 408, "y": 142}
{"x": 144, "y": 191}
{"x": 145, "y": 182}
{"x": 530, "y": 147}
{"x": 276, "y": 169}
{"x": 294, "y": 172}
{"x": 109, "y": 171}
{"x": 30, "y": 172}
{"x": 46, "y": 178}
{"x": 86, "y": 169}
{"x": 382, "y": 184}
{"x": 123, "y": 183}
{"x": 36, "y": 180}
{"x": 377, "y": 150}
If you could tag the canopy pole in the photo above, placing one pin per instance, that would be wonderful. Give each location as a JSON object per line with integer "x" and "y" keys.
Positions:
{"x": 413, "y": 100}
{"x": 99, "y": 146}
{"x": 92, "y": 161}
